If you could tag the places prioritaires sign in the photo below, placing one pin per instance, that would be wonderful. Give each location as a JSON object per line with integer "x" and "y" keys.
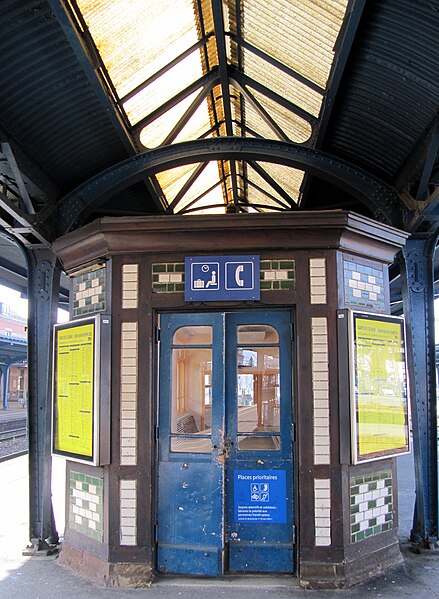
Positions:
{"x": 380, "y": 387}
{"x": 74, "y": 390}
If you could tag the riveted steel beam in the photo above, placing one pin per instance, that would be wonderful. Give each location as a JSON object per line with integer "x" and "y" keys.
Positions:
{"x": 44, "y": 277}
{"x": 379, "y": 197}
{"x": 417, "y": 273}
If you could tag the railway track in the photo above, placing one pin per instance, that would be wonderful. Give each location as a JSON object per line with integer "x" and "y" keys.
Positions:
{"x": 13, "y": 434}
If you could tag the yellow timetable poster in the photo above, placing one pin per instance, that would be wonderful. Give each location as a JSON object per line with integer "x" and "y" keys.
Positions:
{"x": 381, "y": 401}
{"x": 74, "y": 386}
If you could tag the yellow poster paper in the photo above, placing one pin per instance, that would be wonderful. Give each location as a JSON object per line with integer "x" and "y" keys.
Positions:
{"x": 381, "y": 402}
{"x": 74, "y": 390}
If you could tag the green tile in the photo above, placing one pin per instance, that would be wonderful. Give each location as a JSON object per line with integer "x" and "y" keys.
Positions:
{"x": 276, "y": 284}
{"x": 372, "y": 522}
{"x": 353, "y": 539}
{"x": 386, "y": 526}
{"x": 179, "y": 267}
{"x": 155, "y": 278}
{"x": 291, "y": 275}
{"x": 377, "y": 529}
{"x": 159, "y": 288}
{"x": 373, "y": 486}
{"x": 265, "y": 265}
{"x": 170, "y": 288}
{"x": 355, "y": 490}
{"x": 368, "y": 479}
{"x": 371, "y": 504}
{"x": 389, "y": 517}
{"x": 368, "y": 532}
{"x": 286, "y": 264}
{"x": 159, "y": 268}
{"x": 355, "y": 528}
{"x": 169, "y": 268}
{"x": 266, "y": 285}
{"x": 355, "y": 509}
{"x": 353, "y": 519}
{"x": 286, "y": 285}
{"x": 179, "y": 287}
{"x": 352, "y": 500}
{"x": 360, "y": 536}
{"x": 275, "y": 264}
{"x": 388, "y": 482}
{"x": 387, "y": 500}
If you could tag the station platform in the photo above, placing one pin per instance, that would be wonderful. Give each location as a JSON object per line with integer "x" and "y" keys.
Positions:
{"x": 45, "y": 578}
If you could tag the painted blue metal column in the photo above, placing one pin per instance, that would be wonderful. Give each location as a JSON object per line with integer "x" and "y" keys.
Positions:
{"x": 6, "y": 385}
{"x": 3, "y": 386}
{"x": 418, "y": 300}
{"x": 44, "y": 277}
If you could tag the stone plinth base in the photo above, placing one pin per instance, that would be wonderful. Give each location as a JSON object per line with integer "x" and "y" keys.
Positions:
{"x": 108, "y": 574}
{"x": 319, "y": 575}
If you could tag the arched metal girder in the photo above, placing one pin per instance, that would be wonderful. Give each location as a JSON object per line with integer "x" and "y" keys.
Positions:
{"x": 380, "y": 198}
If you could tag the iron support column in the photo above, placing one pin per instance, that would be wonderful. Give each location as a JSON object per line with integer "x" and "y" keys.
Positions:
{"x": 6, "y": 386}
{"x": 417, "y": 272}
{"x": 44, "y": 277}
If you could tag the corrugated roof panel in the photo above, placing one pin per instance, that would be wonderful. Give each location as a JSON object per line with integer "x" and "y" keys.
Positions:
{"x": 257, "y": 124}
{"x": 296, "y": 128}
{"x": 197, "y": 126}
{"x": 172, "y": 180}
{"x": 48, "y": 102}
{"x": 299, "y": 34}
{"x": 164, "y": 88}
{"x": 392, "y": 94}
{"x": 137, "y": 38}
{"x": 156, "y": 133}
{"x": 257, "y": 180}
{"x": 282, "y": 83}
{"x": 215, "y": 196}
{"x": 258, "y": 197}
{"x": 289, "y": 178}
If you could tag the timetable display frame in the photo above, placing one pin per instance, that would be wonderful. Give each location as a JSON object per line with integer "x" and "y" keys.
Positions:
{"x": 81, "y": 399}
{"x": 379, "y": 400}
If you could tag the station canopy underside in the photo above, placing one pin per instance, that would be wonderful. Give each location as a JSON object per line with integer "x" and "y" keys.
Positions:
{"x": 294, "y": 105}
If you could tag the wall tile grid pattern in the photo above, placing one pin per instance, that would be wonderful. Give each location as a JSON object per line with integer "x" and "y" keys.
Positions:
{"x": 371, "y": 504}
{"x": 275, "y": 275}
{"x": 86, "y": 508}
{"x": 168, "y": 277}
{"x": 320, "y": 389}
{"x": 322, "y": 512}
{"x": 130, "y": 286}
{"x": 88, "y": 293}
{"x": 363, "y": 286}
{"x": 128, "y": 512}
{"x": 317, "y": 279}
{"x": 128, "y": 394}
{"x": 278, "y": 275}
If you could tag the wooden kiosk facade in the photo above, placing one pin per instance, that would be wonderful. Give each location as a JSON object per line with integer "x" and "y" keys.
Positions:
{"x": 316, "y": 267}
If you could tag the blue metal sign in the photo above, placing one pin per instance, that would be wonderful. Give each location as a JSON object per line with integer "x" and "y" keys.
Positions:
{"x": 222, "y": 278}
{"x": 260, "y": 496}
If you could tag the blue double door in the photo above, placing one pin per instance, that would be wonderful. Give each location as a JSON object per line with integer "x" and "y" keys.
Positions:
{"x": 225, "y": 475}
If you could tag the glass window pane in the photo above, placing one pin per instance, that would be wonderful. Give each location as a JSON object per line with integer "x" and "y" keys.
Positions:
{"x": 257, "y": 333}
{"x": 192, "y": 445}
{"x": 259, "y": 443}
{"x": 193, "y": 336}
{"x": 191, "y": 409}
{"x": 258, "y": 389}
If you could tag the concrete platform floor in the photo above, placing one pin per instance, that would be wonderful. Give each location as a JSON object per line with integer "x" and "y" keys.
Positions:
{"x": 45, "y": 578}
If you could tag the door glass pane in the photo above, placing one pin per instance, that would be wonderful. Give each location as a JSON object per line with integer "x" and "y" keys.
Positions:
{"x": 258, "y": 389}
{"x": 257, "y": 333}
{"x": 193, "y": 336}
{"x": 191, "y": 408}
{"x": 259, "y": 443}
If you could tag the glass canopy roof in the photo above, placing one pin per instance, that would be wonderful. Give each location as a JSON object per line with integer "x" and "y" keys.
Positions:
{"x": 182, "y": 70}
